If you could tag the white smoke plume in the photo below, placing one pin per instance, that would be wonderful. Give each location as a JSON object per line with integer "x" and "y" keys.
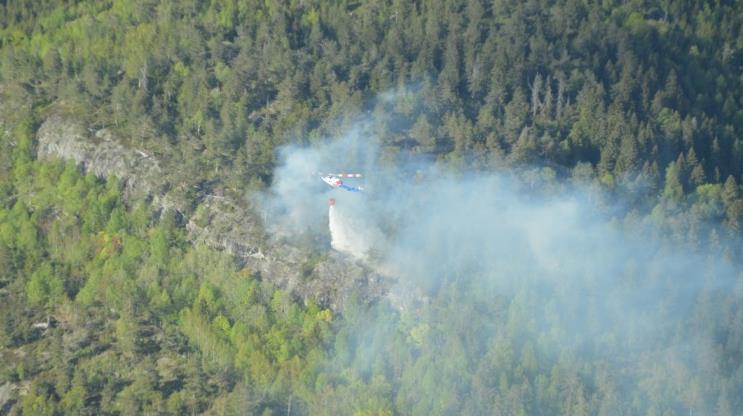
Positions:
{"x": 569, "y": 279}
{"x": 350, "y": 233}
{"x": 297, "y": 200}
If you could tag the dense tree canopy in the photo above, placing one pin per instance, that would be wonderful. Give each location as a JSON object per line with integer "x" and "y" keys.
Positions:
{"x": 629, "y": 87}
{"x": 107, "y": 308}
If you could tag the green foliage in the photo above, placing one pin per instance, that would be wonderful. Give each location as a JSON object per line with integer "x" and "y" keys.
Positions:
{"x": 159, "y": 326}
{"x": 638, "y": 99}
{"x": 126, "y": 298}
{"x": 45, "y": 286}
{"x": 620, "y": 85}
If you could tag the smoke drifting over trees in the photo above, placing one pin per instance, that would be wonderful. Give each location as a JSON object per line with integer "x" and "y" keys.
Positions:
{"x": 538, "y": 290}
{"x": 553, "y": 198}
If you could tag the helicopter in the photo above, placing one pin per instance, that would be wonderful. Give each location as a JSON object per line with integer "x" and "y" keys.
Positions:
{"x": 335, "y": 181}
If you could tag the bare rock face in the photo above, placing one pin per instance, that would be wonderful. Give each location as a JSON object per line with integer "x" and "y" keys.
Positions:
{"x": 100, "y": 154}
{"x": 7, "y": 396}
{"x": 340, "y": 280}
{"x": 220, "y": 222}
{"x": 330, "y": 279}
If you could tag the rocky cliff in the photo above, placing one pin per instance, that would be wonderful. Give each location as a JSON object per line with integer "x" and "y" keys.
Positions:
{"x": 99, "y": 153}
{"x": 219, "y": 221}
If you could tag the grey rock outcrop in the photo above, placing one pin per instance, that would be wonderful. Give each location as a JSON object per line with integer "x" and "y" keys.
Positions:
{"x": 330, "y": 279}
{"x": 99, "y": 153}
{"x": 7, "y": 396}
{"x": 219, "y": 222}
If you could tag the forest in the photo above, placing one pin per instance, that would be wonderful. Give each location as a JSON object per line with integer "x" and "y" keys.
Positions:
{"x": 107, "y": 306}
